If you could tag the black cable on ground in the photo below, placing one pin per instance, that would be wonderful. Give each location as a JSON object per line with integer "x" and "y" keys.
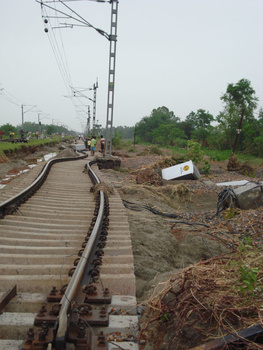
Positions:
{"x": 226, "y": 198}
{"x": 137, "y": 207}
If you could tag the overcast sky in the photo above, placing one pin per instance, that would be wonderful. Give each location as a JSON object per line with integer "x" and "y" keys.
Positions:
{"x": 173, "y": 53}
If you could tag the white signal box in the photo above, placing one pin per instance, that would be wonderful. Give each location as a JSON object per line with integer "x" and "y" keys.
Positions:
{"x": 183, "y": 171}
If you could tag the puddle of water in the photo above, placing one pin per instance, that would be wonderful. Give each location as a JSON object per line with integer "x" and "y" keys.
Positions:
{"x": 49, "y": 156}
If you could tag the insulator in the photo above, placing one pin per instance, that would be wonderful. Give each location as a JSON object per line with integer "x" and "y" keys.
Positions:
{"x": 106, "y": 292}
{"x": 101, "y": 245}
{"x": 53, "y": 291}
{"x": 45, "y": 20}
{"x": 46, "y": 30}
{"x": 85, "y": 310}
{"x": 76, "y": 261}
{"x": 55, "y": 309}
{"x": 63, "y": 289}
{"x": 97, "y": 262}
{"x": 71, "y": 271}
{"x": 90, "y": 289}
{"x": 103, "y": 312}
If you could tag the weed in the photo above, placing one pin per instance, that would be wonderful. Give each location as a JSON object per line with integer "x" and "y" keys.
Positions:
{"x": 231, "y": 212}
{"x": 194, "y": 151}
{"x": 206, "y": 168}
{"x": 248, "y": 278}
{"x": 155, "y": 150}
{"x": 246, "y": 244}
{"x": 165, "y": 317}
{"x": 121, "y": 170}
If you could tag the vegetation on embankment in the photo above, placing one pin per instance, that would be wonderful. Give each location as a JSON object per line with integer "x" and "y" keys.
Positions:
{"x": 9, "y": 149}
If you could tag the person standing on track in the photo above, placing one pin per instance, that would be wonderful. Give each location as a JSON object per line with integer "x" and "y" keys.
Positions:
{"x": 102, "y": 144}
{"x": 89, "y": 143}
{"x": 93, "y": 145}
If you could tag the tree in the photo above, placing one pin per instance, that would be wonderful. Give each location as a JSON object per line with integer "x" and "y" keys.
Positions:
{"x": 126, "y": 132}
{"x": 159, "y": 116}
{"x": 167, "y": 134}
{"x": 200, "y": 119}
{"x": 51, "y": 129}
{"x": 199, "y": 125}
{"x": 6, "y": 128}
{"x": 240, "y": 96}
{"x": 239, "y": 103}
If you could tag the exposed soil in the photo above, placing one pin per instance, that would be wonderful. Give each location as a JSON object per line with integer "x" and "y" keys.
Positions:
{"x": 164, "y": 245}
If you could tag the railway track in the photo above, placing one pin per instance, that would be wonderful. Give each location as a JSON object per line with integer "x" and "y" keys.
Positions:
{"x": 67, "y": 279}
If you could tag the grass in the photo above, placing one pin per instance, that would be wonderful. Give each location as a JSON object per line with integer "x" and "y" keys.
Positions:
{"x": 252, "y": 160}
{"x": 217, "y": 155}
{"x": 225, "y": 155}
{"x": 214, "y": 155}
{"x": 8, "y": 147}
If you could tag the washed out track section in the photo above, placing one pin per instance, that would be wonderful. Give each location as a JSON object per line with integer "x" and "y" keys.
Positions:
{"x": 41, "y": 240}
{"x": 18, "y": 183}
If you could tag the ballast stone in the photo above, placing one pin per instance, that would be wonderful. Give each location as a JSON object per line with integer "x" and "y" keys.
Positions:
{"x": 183, "y": 171}
{"x": 250, "y": 196}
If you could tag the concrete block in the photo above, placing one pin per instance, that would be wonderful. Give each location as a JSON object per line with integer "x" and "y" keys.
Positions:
{"x": 250, "y": 196}
{"x": 122, "y": 325}
{"x": 125, "y": 303}
{"x": 11, "y": 344}
{"x": 183, "y": 171}
{"x": 233, "y": 183}
{"x": 79, "y": 147}
{"x": 122, "y": 345}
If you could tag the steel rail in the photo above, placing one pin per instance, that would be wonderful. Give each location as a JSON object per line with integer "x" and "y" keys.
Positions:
{"x": 75, "y": 281}
{"x": 12, "y": 203}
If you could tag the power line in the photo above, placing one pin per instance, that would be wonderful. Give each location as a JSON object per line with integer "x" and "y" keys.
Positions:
{"x": 9, "y": 97}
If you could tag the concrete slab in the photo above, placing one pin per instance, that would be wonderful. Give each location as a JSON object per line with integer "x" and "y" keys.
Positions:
{"x": 17, "y": 319}
{"x": 127, "y": 303}
{"x": 11, "y": 344}
{"x": 233, "y": 183}
{"x": 79, "y": 147}
{"x": 123, "y": 345}
{"x": 123, "y": 284}
{"x": 250, "y": 196}
{"x": 124, "y": 325}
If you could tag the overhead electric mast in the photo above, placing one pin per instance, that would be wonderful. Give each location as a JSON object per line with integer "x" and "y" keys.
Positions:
{"x": 95, "y": 86}
{"x": 88, "y": 121}
{"x": 112, "y": 37}
{"x": 111, "y": 80}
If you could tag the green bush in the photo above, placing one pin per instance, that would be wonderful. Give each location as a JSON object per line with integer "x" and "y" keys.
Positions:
{"x": 206, "y": 168}
{"x": 194, "y": 151}
{"x": 155, "y": 150}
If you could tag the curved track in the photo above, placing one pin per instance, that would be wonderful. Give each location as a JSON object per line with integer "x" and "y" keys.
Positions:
{"x": 40, "y": 242}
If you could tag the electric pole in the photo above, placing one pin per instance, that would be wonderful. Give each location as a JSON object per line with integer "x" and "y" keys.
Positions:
{"x": 111, "y": 80}
{"x": 22, "y": 107}
{"x": 95, "y": 86}
{"x": 88, "y": 120}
